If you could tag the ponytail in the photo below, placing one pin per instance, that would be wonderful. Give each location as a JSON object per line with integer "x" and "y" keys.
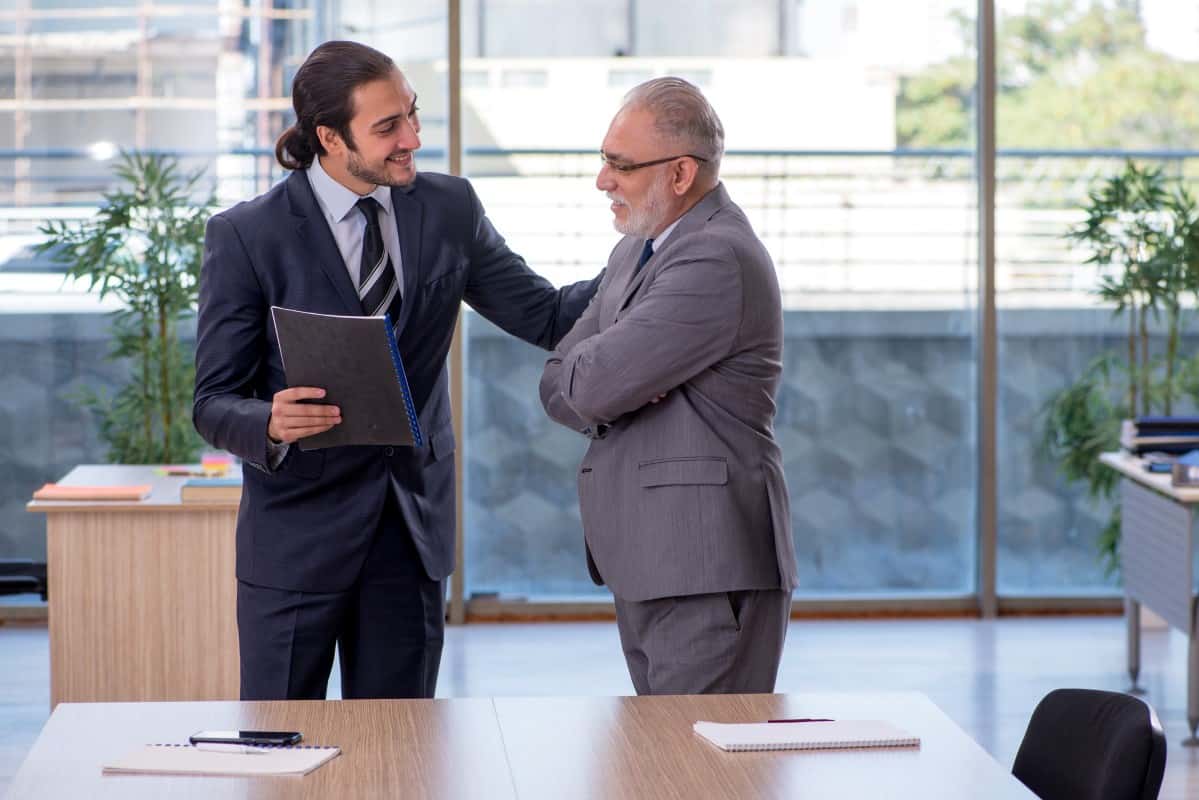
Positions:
{"x": 294, "y": 150}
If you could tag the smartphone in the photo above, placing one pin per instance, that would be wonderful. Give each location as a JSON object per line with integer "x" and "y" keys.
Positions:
{"x": 247, "y": 737}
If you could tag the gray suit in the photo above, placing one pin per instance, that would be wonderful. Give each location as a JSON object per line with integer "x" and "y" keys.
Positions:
{"x": 684, "y": 497}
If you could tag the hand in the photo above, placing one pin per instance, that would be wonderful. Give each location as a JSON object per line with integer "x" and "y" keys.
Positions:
{"x": 292, "y": 420}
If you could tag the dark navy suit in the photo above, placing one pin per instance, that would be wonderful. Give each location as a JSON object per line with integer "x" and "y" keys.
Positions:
{"x": 305, "y": 529}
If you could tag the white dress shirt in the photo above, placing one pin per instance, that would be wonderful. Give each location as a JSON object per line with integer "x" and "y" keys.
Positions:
{"x": 348, "y": 225}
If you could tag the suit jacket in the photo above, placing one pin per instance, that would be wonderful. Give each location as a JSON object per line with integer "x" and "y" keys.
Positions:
{"x": 307, "y": 525}
{"x": 684, "y": 496}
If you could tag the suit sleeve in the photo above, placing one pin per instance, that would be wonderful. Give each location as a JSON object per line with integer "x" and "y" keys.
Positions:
{"x": 551, "y": 396}
{"x": 230, "y": 341}
{"x": 502, "y": 288}
{"x": 686, "y": 321}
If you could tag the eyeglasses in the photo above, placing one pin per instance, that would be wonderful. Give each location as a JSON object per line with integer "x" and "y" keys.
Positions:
{"x": 627, "y": 168}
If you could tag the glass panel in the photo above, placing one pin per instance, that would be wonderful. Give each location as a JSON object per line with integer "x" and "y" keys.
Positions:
{"x": 871, "y": 230}
{"x": 81, "y": 80}
{"x": 1082, "y": 87}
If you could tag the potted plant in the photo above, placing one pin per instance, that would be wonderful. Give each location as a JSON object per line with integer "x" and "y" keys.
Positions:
{"x": 144, "y": 247}
{"x": 1142, "y": 230}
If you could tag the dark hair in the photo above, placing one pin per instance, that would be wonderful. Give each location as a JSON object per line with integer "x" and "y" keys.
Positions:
{"x": 322, "y": 93}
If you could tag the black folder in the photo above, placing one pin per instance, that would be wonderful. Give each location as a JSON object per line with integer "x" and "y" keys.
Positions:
{"x": 357, "y": 362}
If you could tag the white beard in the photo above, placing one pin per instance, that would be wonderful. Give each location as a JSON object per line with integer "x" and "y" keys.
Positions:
{"x": 645, "y": 220}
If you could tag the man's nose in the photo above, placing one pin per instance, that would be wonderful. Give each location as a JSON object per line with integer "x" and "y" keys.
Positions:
{"x": 409, "y": 138}
{"x": 604, "y": 180}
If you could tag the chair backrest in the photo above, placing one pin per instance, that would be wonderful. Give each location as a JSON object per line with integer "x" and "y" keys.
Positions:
{"x": 1084, "y": 744}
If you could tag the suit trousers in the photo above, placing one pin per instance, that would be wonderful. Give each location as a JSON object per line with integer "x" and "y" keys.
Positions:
{"x": 720, "y": 643}
{"x": 388, "y": 628}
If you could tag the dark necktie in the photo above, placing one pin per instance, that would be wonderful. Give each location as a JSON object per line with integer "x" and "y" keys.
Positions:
{"x": 377, "y": 287}
{"x": 646, "y": 252}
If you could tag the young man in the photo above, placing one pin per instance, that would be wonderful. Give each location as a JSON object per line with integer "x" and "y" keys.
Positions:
{"x": 349, "y": 546}
{"x": 672, "y": 371}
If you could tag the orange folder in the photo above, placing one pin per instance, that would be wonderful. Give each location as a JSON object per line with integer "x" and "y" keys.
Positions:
{"x": 54, "y": 491}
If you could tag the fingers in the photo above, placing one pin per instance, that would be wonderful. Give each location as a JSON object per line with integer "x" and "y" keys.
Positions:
{"x": 292, "y": 418}
{"x": 299, "y": 393}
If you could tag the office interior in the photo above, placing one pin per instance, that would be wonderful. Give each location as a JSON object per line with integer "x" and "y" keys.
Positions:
{"x": 919, "y": 172}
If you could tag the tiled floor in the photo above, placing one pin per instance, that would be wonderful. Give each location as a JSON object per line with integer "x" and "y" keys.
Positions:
{"x": 987, "y": 676}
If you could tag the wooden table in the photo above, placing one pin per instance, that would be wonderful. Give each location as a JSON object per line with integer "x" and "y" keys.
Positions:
{"x": 1157, "y": 561}
{"x": 142, "y": 595}
{"x": 604, "y": 747}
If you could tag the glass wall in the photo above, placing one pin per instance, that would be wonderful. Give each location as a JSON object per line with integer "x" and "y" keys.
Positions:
{"x": 850, "y": 138}
{"x": 79, "y": 81}
{"x": 1082, "y": 88}
{"x": 874, "y": 241}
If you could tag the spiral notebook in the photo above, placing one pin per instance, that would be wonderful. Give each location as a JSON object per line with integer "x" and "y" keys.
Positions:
{"x": 357, "y": 362}
{"x": 186, "y": 759}
{"x": 830, "y": 735}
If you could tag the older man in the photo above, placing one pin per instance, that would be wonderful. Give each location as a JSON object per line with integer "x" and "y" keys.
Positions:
{"x": 672, "y": 372}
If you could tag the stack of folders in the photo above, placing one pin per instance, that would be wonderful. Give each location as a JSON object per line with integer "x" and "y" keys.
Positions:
{"x": 211, "y": 490}
{"x": 807, "y": 735}
{"x": 186, "y": 759}
{"x": 1174, "y": 435}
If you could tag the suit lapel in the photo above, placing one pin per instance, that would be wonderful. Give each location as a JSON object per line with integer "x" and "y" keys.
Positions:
{"x": 409, "y": 216}
{"x": 318, "y": 239}
{"x": 636, "y": 276}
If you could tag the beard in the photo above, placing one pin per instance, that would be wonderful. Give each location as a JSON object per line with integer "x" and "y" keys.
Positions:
{"x": 644, "y": 219}
{"x": 376, "y": 173}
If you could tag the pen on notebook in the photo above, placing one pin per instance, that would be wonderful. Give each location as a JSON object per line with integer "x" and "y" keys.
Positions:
{"x": 802, "y": 719}
{"x": 217, "y": 747}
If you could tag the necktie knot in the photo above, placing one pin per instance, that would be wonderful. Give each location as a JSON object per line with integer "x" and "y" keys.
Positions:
{"x": 646, "y": 252}
{"x": 369, "y": 207}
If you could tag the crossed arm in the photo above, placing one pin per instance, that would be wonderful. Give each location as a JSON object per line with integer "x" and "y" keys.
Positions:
{"x": 686, "y": 321}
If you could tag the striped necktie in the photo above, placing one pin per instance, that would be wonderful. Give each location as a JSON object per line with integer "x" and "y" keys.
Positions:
{"x": 377, "y": 287}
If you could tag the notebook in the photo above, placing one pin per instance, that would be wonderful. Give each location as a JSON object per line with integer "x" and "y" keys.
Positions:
{"x": 356, "y": 360}
{"x": 805, "y": 735}
{"x": 211, "y": 490}
{"x": 54, "y": 491}
{"x": 186, "y": 759}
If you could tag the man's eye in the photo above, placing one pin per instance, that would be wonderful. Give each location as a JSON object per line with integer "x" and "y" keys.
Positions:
{"x": 387, "y": 128}
{"x": 412, "y": 113}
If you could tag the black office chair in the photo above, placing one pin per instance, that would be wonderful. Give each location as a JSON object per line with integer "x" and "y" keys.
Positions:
{"x": 22, "y": 576}
{"x": 1083, "y": 744}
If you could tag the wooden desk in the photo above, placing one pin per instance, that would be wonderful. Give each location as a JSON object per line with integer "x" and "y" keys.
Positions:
{"x": 142, "y": 595}
{"x": 1157, "y": 560}
{"x": 616, "y": 747}
{"x": 643, "y": 747}
{"x": 390, "y": 748}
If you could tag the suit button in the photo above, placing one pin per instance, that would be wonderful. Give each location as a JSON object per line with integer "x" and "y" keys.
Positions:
{"x": 389, "y": 452}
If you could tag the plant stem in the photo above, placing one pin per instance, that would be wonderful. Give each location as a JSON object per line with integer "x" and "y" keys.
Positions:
{"x": 1144, "y": 322}
{"x": 1132, "y": 357}
{"x": 164, "y": 369}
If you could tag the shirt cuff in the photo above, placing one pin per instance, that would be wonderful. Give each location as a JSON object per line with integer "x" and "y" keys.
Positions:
{"x": 276, "y": 452}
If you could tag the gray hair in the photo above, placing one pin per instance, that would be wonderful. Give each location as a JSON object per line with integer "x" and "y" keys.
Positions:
{"x": 682, "y": 114}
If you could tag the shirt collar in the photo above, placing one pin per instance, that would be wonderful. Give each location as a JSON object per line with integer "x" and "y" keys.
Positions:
{"x": 661, "y": 237}
{"x": 336, "y": 200}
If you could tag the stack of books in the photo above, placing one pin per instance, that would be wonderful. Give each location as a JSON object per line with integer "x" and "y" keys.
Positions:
{"x": 1174, "y": 435}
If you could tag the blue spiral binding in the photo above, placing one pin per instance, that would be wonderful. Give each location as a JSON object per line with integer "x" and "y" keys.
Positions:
{"x": 418, "y": 439}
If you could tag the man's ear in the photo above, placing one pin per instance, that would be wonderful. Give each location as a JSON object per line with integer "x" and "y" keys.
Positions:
{"x": 682, "y": 176}
{"x": 330, "y": 140}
